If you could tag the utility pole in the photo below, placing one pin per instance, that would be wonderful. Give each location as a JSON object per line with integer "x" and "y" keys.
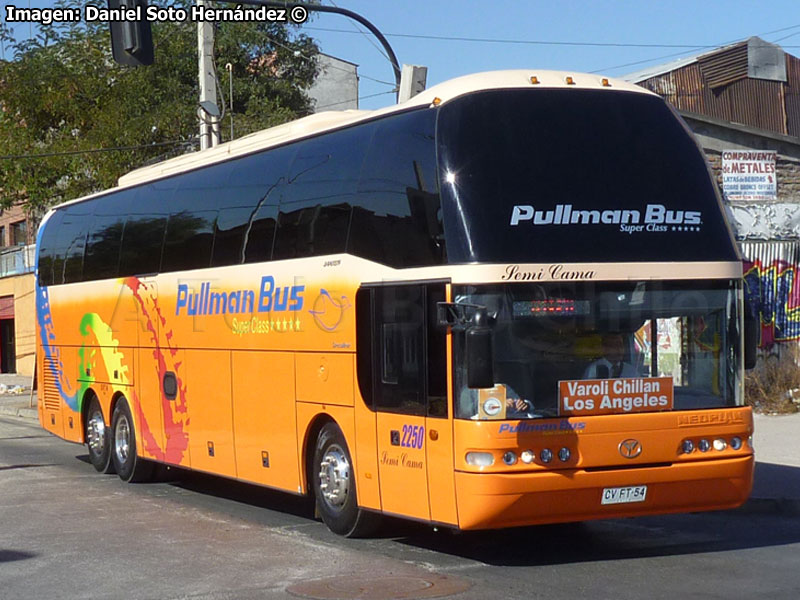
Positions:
{"x": 208, "y": 110}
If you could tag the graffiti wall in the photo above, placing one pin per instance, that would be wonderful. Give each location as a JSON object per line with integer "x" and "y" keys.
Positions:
{"x": 772, "y": 287}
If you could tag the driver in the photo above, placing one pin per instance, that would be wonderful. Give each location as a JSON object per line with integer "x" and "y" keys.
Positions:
{"x": 612, "y": 363}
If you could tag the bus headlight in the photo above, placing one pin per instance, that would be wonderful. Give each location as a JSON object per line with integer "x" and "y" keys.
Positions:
{"x": 720, "y": 444}
{"x": 527, "y": 456}
{"x": 480, "y": 459}
{"x": 546, "y": 455}
{"x": 703, "y": 445}
{"x": 564, "y": 454}
{"x": 687, "y": 446}
{"x": 736, "y": 443}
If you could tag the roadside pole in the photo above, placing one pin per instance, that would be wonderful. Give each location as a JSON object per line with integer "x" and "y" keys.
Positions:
{"x": 207, "y": 111}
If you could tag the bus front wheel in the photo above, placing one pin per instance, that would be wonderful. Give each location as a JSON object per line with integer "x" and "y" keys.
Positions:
{"x": 129, "y": 466}
{"x": 335, "y": 486}
{"x": 97, "y": 437}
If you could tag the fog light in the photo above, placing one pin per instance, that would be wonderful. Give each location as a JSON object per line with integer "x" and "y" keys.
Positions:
{"x": 510, "y": 458}
{"x": 564, "y": 454}
{"x": 736, "y": 443}
{"x": 546, "y": 455}
{"x": 703, "y": 445}
{"x": 480, "y": 459}
{"x": 720, "y": 444}
{"x": 527, "y": 456}
{"x": 687, "y": 446}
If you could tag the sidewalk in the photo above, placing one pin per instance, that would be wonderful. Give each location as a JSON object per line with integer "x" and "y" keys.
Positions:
{"x": 777, "y": 478}
{"x": 15, "y": 396}
{"x": 777, "y": 442}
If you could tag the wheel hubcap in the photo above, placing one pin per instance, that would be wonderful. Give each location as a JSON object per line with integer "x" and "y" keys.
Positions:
{"x": 96, "y": 432}
{"x": 334, "y": 477}
{"x": 122, "y": 439}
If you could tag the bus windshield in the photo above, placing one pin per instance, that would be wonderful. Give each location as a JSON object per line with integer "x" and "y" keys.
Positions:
{"x": 560, "y": 175}
{"x": 642, "y": 332}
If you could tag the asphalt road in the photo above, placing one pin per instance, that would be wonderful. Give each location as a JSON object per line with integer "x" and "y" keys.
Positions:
{"x": 68, "y": 532}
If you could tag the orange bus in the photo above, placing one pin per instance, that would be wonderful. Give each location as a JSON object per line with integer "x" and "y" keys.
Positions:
{"x": 514, "y": 299}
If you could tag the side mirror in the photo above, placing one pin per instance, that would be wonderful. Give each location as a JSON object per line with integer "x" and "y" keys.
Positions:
{"x": 480, "y": 372}
{"x": 752, "y": 334}
{"x": 459, "y": 315}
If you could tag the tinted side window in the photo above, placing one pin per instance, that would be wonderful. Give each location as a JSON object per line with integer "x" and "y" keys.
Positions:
{"x": 102, "y": 247}
{"x": 47, "y": 248}
{"x": 258, "y": 183}
{"x": 193, "y": 213}
{"x": 187, "y": 244}
{"x": 397, "y": 218}
{"x": 143, "y": 236}
{"x": 400, "y": 322}
{"x": 316, "y": 204}
{"x": 101, "y": 260}
{"x": 229, "y": 235}
{"x": 69, "y": 243}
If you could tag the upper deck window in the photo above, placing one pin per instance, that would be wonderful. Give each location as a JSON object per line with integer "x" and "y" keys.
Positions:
{"x": 557, "y": 175}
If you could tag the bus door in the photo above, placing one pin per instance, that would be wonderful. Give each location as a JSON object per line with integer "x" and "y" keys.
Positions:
{"x": 409, "y": 391}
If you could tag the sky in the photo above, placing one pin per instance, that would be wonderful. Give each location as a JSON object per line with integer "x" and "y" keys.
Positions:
{"x": 612, "y": 37}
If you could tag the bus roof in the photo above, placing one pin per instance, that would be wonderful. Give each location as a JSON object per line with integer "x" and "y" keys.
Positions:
{"x": 331, "y": 120}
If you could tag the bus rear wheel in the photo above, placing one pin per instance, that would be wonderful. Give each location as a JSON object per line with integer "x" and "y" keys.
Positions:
{"x": 97, "y": 437}
{"x": 335, "y": 486}
{"x": 130, "y": 467}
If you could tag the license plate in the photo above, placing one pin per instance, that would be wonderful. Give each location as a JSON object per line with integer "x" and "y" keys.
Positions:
{"x": 624, "y": 495}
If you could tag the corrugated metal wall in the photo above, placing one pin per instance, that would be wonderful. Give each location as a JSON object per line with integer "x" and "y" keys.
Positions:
{"x": 792, "y": 92}
{"x": 756, "y": 102}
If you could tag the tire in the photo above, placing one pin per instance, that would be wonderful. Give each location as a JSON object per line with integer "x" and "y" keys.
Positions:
{"x": 335, "y": 486}
{"x": 98, "y": 438}
{"x": 130, "y": 467}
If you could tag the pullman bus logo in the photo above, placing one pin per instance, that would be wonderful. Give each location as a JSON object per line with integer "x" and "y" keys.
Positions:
{"x": 656, "y": 217}
{"x": 630, "y": 448}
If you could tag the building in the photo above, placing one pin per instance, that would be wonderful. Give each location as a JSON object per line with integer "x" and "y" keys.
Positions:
{"x": 17, "y": 308}
{"x": 743, "y": 104}
{"x": 336, "y": 86}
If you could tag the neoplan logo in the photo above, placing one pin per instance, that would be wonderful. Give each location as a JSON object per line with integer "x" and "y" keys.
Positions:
{"x": 656, "y": 217}
{"x": 630, "y": 448}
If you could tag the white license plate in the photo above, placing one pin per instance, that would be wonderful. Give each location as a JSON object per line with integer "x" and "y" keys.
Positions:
{"x": 624, "y": 495}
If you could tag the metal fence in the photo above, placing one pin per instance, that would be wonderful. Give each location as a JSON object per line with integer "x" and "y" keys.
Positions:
{"x": 17, "y": 260}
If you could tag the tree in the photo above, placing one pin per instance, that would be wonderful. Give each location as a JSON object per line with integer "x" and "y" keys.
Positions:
{"x": 62, "y": 96}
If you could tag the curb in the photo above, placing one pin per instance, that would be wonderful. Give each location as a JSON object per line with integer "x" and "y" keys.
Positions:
{"x": 23, "y": 412}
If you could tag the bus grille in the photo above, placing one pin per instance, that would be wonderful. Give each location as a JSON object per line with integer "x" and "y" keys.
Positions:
{"x": 52, "y": 399}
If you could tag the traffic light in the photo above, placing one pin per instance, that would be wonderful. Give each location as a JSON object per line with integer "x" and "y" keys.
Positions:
{"x": 131, "y": 41}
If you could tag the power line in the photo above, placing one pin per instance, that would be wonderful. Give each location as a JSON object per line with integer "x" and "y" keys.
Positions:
{"x": 695, "y": 49}
{"x": 359, "y": 98}
{"x": 94, "y": 150}
{"x": 335, "y": 67}
{"x": 446, "y": 38}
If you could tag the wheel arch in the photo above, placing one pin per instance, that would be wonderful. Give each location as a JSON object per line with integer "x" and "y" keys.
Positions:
{"x": 309, "y": 442}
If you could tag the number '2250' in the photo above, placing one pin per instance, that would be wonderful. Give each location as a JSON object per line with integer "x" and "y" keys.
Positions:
{"x": 413, "y": 436}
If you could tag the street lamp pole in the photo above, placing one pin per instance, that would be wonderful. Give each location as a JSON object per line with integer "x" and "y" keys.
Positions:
{"x": 335, "y": 10}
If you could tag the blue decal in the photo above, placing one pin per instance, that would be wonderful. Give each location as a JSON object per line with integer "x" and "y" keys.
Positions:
{"x": 413, "y": 436}
{"x": 52, "y": 354}
{"x": 563, "y": 426}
